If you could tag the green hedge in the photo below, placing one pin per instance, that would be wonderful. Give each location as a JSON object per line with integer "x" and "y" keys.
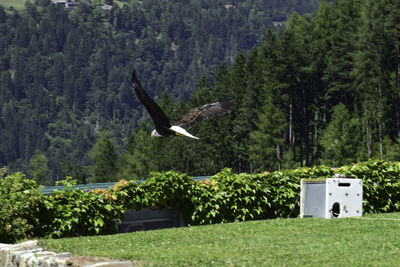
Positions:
{"x": 25, "y": 212}
{"x": 226, "y": 197}
{"x": 381, "y": 184}
{"x": 21, "y": 206}
{"x": 73, "y": 211}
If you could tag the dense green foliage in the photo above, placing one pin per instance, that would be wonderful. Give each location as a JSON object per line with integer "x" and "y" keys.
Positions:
{"x": 25, "y": 212}
{"x": 65, "y": 74}
{"x": 21, "y": 208}
{"x": 72, "y": 212}
{"x": 322, "y": 90}
{"x": 225, "y": 197}
{"x": 381, "y": 184}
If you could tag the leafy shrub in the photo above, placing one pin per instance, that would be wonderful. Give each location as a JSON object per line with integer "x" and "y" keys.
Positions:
{"x": 169, "y": 190}
{"x": 381, "y": 184}
{"x": 21, "y": 204}
{"x": 230, "y": 197}
{"x": 225, "y": 197}
{"x": 129, "y": 194}
{"x": 284, "y": 188}
{"x": 75, "y": 212}
{"x": 162, "y": 190}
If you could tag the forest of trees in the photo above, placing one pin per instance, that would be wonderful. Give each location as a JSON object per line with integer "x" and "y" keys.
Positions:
{"x": 323, "y": 89}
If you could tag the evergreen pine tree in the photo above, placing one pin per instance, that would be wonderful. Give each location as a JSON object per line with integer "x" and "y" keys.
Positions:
{"x": 104, "y": 157}
{"x": 39, "y": 170}
{"x": 340, "y": 139}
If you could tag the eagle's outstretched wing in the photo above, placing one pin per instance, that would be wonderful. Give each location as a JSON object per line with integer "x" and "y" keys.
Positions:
{"x": 159, "y": 118}
{"x": 197, "y": 114}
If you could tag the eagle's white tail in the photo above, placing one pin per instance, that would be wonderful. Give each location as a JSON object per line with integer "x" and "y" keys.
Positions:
{"x": 180, "y": 131}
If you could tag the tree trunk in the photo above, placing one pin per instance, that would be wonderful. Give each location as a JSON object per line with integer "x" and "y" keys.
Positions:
{"x": 291, "y": 135}
{"x": 368, "y": 132}
{"x": 398, "y": 87}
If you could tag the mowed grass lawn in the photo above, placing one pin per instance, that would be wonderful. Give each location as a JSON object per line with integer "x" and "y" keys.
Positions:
{"x": 373, "y": 240}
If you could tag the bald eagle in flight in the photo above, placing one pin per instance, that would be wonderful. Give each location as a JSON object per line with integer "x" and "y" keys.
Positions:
{"x": 195, "y": 115}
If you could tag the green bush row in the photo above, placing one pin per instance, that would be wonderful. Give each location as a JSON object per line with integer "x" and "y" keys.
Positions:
{"x": 226, "y": 197}
{"x": 20, "y": 206}
{"x": 25, "y": 212}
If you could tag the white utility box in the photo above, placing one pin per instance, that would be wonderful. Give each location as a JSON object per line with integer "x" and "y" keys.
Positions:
{"x": 331, "y": 198}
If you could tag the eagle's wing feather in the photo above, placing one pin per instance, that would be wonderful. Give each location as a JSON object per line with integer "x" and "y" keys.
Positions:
{"x": 158, "y": 116}
{"x": 207, "y": 111}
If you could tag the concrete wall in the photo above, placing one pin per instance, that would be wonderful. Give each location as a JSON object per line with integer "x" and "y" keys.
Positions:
{"x": 149, "y": 219}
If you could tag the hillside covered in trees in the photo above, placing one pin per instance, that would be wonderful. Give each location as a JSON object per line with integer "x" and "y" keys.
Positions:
{"x": 323, "y": 89}
{"x": 64, "y": 74}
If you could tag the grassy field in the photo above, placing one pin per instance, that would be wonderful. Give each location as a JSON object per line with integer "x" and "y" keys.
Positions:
{"x": 368, "y": 241}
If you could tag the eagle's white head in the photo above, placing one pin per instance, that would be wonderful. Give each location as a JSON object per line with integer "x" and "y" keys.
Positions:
{"x": 155, "y": 133}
